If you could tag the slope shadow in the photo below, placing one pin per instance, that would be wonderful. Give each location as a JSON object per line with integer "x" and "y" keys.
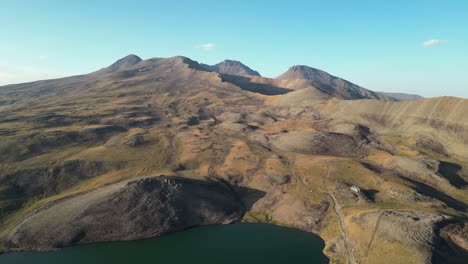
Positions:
{"x": 450, "y": 172}
{"x": 445, "y": 250}
{"x": 373, "y": 167}
{"x": 370, "y": 194}
{"x": 246, "y": 84}
{"x": 247, "y": 197}
{"x": 434, "y": 193}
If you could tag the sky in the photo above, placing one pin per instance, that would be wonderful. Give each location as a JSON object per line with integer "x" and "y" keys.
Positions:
{"x": 414, "y": 46}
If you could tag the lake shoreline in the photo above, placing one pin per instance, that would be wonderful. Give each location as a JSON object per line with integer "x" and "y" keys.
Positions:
{"x": 203, "y": 242}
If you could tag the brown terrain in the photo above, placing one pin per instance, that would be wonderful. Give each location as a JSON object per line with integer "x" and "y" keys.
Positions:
{"x": 403, "y": 96}
{"x": 86, "y": 154}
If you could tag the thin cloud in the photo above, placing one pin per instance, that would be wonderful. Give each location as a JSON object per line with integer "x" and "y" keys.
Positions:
{"x": 42, "y": 57}
{"x": 206, "y": 47}
{"x": 4, "y": 75}
{"x": 433, "y": 42}
{"x": 23, "y": 73}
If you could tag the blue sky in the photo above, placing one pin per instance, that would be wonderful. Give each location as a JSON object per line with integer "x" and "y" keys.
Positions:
{"x": 376, "y": 44}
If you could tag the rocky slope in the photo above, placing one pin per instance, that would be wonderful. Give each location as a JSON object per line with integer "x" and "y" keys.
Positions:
{"x": 437, "y": 124}
{"x": 121, "y": 65}
{"x": 135, "y": 209}
{"x": 403, "y": 96}
{"x": 330, "y": 84}
{"x": 79, "y": 142}
{"x": 233, "y": 67}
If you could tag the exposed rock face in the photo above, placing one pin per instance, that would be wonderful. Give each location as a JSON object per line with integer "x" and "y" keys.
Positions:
{"x": 82, "y": 133}
{"x": 330, "y": 84}
{"x": 304, "y": 72}
{"x": 233, "y": 67}
{"x": 135, "y": 209}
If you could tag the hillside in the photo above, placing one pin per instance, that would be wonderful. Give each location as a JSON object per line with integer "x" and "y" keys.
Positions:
{"x": 330, "y": 84}
{"x": 403, "y": 96}
{"x": 233, "y": 67}
{"x": 284, "y": 151}
{"x": 162, "y": 194}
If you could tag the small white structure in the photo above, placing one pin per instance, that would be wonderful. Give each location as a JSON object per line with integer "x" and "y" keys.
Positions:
{"x": 355, "y": 189}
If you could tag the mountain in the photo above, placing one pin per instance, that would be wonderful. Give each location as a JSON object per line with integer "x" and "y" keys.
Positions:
{"x": 233, "y": 67}
{"x": 303, "y": 72}
{"x": 145, "y": 147}
{"x": 297, "y": 77}
{"x": 122, "y": 64}
{"x": 403, "y": 96}
{"x": 330, "y": 84}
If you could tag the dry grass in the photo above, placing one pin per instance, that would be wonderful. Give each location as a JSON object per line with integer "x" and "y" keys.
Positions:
{"x": 177, "y": 113}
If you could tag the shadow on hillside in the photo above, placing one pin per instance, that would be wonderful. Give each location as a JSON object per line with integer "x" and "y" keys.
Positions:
{"x": 370, "y": 194}
{"x": 446, "y": 250}
{"x": 432, "y": 192}
{"x": 450, "y": 172}
{"x": 247, "y": 197}
{"x": 246, "y": 84}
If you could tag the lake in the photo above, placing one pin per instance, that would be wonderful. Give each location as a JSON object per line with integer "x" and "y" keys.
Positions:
{"x": 220, "y": 244}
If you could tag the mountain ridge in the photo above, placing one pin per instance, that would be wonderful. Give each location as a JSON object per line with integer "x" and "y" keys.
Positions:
{"x": 300, "y": 146}
{"x": 403, "y": 96}
{"x": 330, "y": 84}
{"x": 233, "y": 67}
{"x": 121, "y": 64}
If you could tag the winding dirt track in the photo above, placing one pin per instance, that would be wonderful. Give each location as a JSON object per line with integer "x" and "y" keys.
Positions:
{"x": 344, "y": 231}
{"x": 371, "y": 241}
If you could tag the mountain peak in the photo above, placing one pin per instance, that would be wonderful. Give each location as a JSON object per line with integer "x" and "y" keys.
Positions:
{"x": 234, "y": 67}
{"x": 122, "y": 64}
{"x": 131, "y": 57}
{"x": 300, "y": 67}
{"x": 231, "y": 62}
{"x": 126, "y": 62}
{"x": 330, "y": 84}
{"x": 301, "y": 72}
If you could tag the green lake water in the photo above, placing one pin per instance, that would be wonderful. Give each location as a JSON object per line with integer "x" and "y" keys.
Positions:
{"x": 220, "y": 244}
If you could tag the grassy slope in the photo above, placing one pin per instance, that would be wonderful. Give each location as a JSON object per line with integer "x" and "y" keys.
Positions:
{"x": 160, "y": 106}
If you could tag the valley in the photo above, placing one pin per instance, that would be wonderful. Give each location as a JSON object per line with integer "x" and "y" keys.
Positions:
{"x": 144, "y": 148}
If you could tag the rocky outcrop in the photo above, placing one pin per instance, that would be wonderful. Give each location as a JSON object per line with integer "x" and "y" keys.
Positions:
{"x": 452, "y": 246}
{"x": 319, "y": 143}
{"x": 330, "y": 84}
{"x": 234, "y": 68}
{"x": 136, "y": 209}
